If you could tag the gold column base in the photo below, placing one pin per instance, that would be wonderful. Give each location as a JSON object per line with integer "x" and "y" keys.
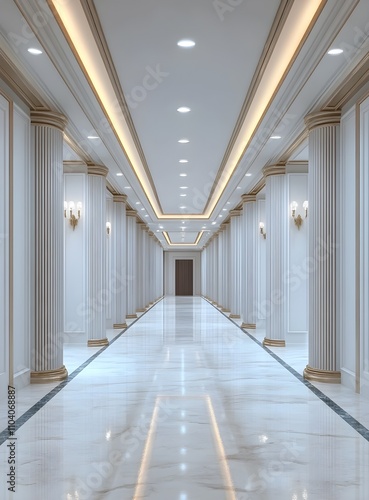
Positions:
{"x": 249, "y": 326}
{"x": 274, "y": 342}
{"x": 235, "y": 316}
{"x": 48, "y": 376}
{"x": 225, "y": 310}
{"x": 329, "y": 376}
{"x": 141, "y": 310}
{"x": 97, "y": 342}
{"x": 119, "y": 326}
{"x": 131, "y": 316}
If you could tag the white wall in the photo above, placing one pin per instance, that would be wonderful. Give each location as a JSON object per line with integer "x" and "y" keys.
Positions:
{"x": 23, "y": 253}
{"x": 260, "y": 303}
{"x": 346, "y": 249}
{"x": 4, "y": 250}
{"x": 75, "y": 284}
{"x": 364, "y": 247}
{"x": 297, "y": 259}
{"x": 169, "y": 270}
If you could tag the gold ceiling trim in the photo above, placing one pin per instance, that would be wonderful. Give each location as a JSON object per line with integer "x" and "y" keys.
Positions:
{"x": 358, "y": 77}
{"x": 269, "y": 46}
{"x": 98, "y": 34}
{"x": 9, "y": 72}
{"x": 296, "y": 27}
{"x": 170, "y": 243}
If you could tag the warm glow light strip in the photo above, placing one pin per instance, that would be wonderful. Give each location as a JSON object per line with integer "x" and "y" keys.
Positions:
{"x": 76, "y": 25}
{"x": 140, "y": 485}
{"x": 221, "y": 453}
{"x": 166, "y": 236}
{"x": 297, "y": 23}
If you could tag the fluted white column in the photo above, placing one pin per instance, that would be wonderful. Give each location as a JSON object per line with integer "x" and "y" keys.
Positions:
{"x": 215, "y": 270}
{"x": 235, "y": 282}
{"x": 141, "y": 267}
{"x": 96, "y": 254}
{"x": 323, "y": 164}
{"x": 47, "y": 351}
{"x": 276, "y": 254}
{"x": 150, "y": 257}
{"x": 248, "y": 248}
{"x": 220, "y": 267}
{"x": 226, "y": 268}
{"x": 131, "y": 264}
{"x": 119, "y": 289}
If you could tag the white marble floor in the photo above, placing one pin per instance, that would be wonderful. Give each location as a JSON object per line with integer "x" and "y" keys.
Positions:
{"x": 185, "y": 406}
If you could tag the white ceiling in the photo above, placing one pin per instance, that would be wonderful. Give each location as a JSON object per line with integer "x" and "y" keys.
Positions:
{"x": 215, "y": 79}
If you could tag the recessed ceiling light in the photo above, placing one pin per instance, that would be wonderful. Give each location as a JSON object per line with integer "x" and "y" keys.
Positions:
{"x": 183, "y": 109}
{"x": 275, "y": 137}
{"x": 183, "y": 175}
{"x": 183, "y": 187}
{"x": 248, "y": 175}
{"x": 138, "y": 203}
{"x": 127, "y": 187}
{"x": 119, "y": 174}
{"x": 182, "y": 209}
{"x": 213, "y": 223}
{"x": 220, "y": 215}
{"x": 186, "y": 43}
{"x": 142, "y": 209}
{"x": 224, "y": 209}
{"x": 239, "y": 187}
{"x": 228, "y": 202}
{"x": 183, "y": 161}
{"x": 182, "y": 195}
{"x": 35, "y": 52}
{"x": 93, "y": 137}
{"x": 146, "y": 215}
{"x": 335, "y": 52}
{"x": 183, "y": 141}
{"x": 203, "y": 227}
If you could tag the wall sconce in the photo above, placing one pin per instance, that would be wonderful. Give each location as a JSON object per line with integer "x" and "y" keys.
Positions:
{"x": 262, "y": 230}
{"x": 69, "y": 213}
{"x": 298, "y": 219}
{"x": 108, "y": 228}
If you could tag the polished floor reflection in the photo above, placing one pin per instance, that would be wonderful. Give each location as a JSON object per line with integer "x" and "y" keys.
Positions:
{"x": 186, "y": 406}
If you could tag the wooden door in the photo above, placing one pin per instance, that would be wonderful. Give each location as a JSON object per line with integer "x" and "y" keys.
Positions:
{"x": 184, "y": 277}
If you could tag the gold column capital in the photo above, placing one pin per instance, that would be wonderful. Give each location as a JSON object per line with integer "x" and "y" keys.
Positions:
{"x": 48, "y": 119}
{"x": 277, "y": 169}
{"x": 119, "y": 198}
{"x": 235, "y": 213}
{"x": 323, "y": 119}
{"x": 248, "y": 198}
{"x": 97, "y": 170}
{"x": 131, "y": 213}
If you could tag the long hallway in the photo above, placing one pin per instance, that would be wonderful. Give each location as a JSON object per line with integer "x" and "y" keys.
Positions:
{"x": 185, "y": 406}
